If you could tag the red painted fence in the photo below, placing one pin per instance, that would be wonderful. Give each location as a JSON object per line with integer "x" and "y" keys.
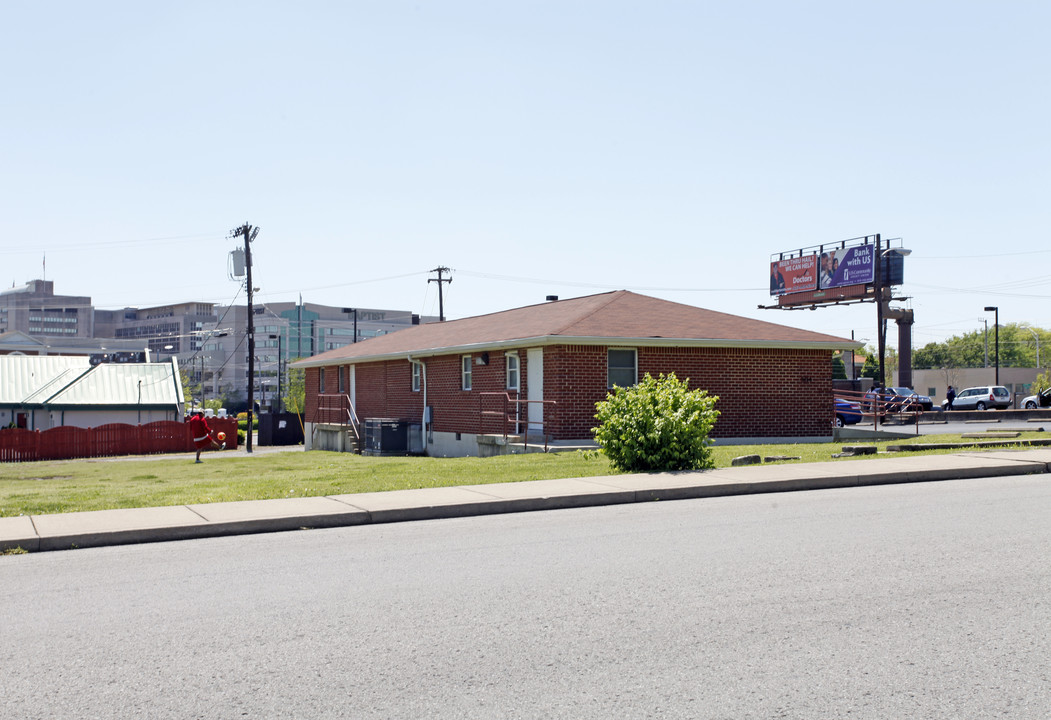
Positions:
{"x": 65, "y": 443}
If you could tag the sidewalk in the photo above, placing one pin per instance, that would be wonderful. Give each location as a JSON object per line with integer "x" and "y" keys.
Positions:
{"x": 182, "y": 522}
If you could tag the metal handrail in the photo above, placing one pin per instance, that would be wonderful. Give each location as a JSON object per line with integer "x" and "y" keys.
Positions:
{"x": 880, "y": 405}
{"x": 509, "y": 418}
{"x": 344, "y": 409}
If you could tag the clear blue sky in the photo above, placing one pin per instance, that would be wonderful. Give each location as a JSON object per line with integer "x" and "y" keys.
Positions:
{"x": 533, "y": 147}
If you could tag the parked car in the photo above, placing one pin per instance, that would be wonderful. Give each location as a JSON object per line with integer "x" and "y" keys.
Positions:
{"x": 897, "y": 399}
{"x": 911, "y": 397}
{"x": 981, "y": 398}
{"x": 1041, "y": 400}
{"x": 847, "y": 413}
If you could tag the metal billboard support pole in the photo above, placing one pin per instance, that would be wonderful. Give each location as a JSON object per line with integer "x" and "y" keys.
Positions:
{"x": 877, "y": 285}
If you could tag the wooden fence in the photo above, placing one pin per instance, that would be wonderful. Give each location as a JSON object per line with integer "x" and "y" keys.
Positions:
{"x": 65, "y": 443}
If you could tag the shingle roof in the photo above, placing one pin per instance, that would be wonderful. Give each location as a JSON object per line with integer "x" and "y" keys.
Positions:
{"x": 594, "y": 319}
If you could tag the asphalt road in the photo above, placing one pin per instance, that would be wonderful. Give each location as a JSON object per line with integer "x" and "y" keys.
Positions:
{"x": 901, "y": 601}
{"x": 951, "y": 425}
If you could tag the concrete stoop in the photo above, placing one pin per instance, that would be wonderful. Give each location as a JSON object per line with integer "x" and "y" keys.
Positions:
{"x": 493, "y": 445}
{"x": 854, "y": 432}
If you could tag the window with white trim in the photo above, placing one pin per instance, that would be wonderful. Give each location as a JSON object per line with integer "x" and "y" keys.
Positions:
{"x": 321, "y": 380}
{"x": 465, "y": 372}
{"x": 416, "y": 372}
{"x": 342, "y": 385}
{"x": 621, "y": 367}
{"x": 512, "y": 371}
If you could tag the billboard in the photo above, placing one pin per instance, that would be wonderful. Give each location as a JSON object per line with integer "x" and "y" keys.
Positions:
{"x": 847, "y": 266}
{"x": 793, "y": 275}
{"x": 829, "y": 272}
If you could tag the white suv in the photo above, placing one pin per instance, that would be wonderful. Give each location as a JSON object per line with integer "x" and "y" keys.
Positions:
{"x": 982, "y": 398}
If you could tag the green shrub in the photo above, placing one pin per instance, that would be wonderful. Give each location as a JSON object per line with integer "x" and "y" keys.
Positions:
{"x": 657, "y": 425}
{"x": 1042, "y": 382}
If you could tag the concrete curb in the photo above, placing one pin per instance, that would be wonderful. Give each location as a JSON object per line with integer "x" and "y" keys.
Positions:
{"x": 140, "y": 525}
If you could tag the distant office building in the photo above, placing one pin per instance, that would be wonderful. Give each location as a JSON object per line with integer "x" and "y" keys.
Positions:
{"x": 284, "y": 331}
{"x": 35, "y": 310}
{"x": 209, "y": 340}
{"x": 166, "y": 329}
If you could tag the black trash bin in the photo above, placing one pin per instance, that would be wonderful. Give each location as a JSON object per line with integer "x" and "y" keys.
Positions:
{"x": 280, "y": 429}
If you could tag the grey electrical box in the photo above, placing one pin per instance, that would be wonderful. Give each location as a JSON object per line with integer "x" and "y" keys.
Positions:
{"x": 237, "y": 259}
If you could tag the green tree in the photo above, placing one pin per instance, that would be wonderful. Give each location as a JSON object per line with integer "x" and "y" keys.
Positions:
{"x": 658, "y": 424}
{"x": 1042, "y": 382}
{"x": 839, "y": 368}
{"x": 871, "y": 367}
{"x": 295, "y": 391}
{"x": 1018, "y": 343}
{"x": 188, "y": 390}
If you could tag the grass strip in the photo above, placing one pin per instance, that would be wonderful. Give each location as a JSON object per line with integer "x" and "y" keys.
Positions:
{"x": 103, "y": 484}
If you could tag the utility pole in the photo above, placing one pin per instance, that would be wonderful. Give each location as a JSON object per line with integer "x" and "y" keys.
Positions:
{"x": 249, "y": 233}
{"x": 440, "y": 280}
{"x": 355, "y": 311}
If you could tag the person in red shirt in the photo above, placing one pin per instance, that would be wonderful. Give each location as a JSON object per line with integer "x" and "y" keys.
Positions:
{"x": 202, "y": 434}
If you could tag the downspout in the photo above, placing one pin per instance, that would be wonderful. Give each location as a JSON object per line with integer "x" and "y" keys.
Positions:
{"x": 423, "y": 387}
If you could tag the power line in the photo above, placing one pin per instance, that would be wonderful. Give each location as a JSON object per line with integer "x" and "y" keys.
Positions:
{"x": 598, "y": 286}
{"x": 96, "y": 244}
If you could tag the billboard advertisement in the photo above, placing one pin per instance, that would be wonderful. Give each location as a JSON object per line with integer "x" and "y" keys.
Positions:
{"x": 847, "y": 266}
{"x": 793, "y": 275}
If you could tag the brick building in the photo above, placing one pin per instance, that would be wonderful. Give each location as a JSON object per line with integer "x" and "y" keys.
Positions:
{"x": 543, "y": 368}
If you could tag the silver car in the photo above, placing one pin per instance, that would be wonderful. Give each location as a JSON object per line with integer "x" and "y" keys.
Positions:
{"x": 982, "y": 398}
{"x": 1041, "y": 400}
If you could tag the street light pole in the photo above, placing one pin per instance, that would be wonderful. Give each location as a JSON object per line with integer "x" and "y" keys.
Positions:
{"x": 280, "y": 398}
{"x": 996, "y": 325}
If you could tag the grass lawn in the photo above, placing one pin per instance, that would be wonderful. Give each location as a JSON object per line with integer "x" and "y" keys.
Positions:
{"x": 80, "y": 485}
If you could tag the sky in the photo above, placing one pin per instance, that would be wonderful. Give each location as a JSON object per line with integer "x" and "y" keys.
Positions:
{"x": 534, "y": 148}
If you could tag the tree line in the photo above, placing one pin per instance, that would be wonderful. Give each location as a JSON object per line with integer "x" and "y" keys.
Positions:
{"x": 1019, "y": 347}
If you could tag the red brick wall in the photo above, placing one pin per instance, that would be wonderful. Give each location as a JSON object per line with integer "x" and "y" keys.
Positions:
{"x": 762, "y": 393}
{"x": 310, "y": 389}
{"x": 456, "y": 410}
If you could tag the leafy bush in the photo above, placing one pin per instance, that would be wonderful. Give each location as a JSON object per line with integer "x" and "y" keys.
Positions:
{"x": 659, "y": 424}
{"x": 1042, "y": 382}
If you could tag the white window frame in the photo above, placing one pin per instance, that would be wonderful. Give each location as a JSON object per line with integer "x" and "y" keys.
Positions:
{"x": 513, "y": 370}
{"x": 342, "y": 387}
{"x": 465, "y": 372}
{"x": 635, "y": 354}
{"x": 415, "y": 376}
{"x": 321, "y": 381}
